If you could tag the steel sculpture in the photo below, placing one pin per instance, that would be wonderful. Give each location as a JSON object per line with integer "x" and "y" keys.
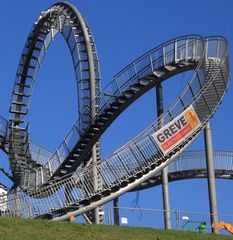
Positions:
{"x": 66, "y": 182}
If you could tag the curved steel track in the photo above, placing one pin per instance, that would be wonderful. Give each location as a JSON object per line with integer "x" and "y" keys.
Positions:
{"x": 57, "y": 184}
{"x": 61, "y": 18}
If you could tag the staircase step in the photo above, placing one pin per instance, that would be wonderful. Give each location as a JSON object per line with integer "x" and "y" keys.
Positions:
{"x": 34, "y": 47}
{"x": 21, "y": 94}
{"x": 19, "y": 103}
{"x": 122, "y": 99}
{"x": 37, "y": 39}
{"x": 83, "y": 144}
{"x": 136, "y": 87}
{"x": 116, "y": 104}
{"x": 89, "y": 135}
{"x": 28, "y": 66}
{"x": 24, "y": 75}
{"x": 67, "y": 166}
{"x": 16, "y": 120}
{"x": 23, "y": 85}
{"x": 18, "y": 112}
{"x": 72, "y": 160}
{"x": 183, "y": 63}
{"x": 105, "y": 115}
{"x": 32, "y": 57}
{"x": 79, "y": 148}
{"x": 128, "y": 93}
{"x": 63, "y": 171}
{"x": 111, "y": 110}
{"x": 99, "y": 121}
{"x": 145, "y": 82}
{"x": 170, "y": 68}
{"x": 76, "y": 154}
{"x": 158, "y": 73}
{"x": 92, "y": 130}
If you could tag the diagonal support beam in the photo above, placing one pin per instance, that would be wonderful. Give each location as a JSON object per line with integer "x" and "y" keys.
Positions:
{"x": 87, "y": 218}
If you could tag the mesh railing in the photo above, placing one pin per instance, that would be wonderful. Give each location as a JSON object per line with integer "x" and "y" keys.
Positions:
{"x": 223, "y": 160}
{"x": 195, "y": 163}
{"x": 3, "y": 127}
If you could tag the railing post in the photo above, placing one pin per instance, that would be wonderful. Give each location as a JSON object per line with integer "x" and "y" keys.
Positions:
{"x": 178, "y": 226}
{"x": 95, "y": 182}
{"x": 17, "y": 202}
{"x": 175, "y": 51}
{"x": 42, "y": 175}
{"x": 110, "y": 215}
{"x": 211, "y": 176}
{"x": 49, "y": 165}
{"x": 116, "y": 211}
{"x": 164, "y": 56}
{"x": 59, "y": 157}
{"x": 206, "y": 47}
{"x": 217, "y": 54}
{"x": 166, "y": 203}
{"x": 151, "y": 63}
{"x": 186, "y": 48}
{"x": 118, "y": 85}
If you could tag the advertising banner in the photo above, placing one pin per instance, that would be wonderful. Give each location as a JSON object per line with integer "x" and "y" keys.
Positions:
{"x": 177, "y": 130}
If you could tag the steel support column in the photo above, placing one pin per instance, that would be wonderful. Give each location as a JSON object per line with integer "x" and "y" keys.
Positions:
{"x": 93, "y": 105}
{"x": 116, "y": 211}
{"x": 211, "y": 176}
{"x": 178, "y": 226}
{"x": 96, "y": 185}
{"x": 164, "y": 172}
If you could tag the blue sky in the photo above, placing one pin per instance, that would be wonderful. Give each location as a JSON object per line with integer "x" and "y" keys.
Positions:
{"x": 123, "y": 30}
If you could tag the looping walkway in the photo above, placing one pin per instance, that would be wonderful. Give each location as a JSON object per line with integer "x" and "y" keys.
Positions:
{"x": 55, "y": 184}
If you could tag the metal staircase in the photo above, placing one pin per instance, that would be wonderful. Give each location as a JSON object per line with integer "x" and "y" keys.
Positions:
{"x": 178, "y": 55}
{"x": 97, "y": 109}
{"x": 141, "y": 158}
{"x": 19, "y": 153}
{"x": 142, "y": 75}
{"x": 65, "y": 19}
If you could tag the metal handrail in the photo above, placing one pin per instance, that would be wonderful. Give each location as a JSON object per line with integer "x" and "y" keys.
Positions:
{"x": 194, "y": 158}
{"x": 192, "y": 164}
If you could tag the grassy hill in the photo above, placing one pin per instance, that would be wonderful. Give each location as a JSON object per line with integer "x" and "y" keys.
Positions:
{"x": 21, "y": 229}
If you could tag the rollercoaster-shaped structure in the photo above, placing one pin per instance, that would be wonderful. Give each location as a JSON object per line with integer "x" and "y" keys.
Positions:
{"x": 75, "y": 179}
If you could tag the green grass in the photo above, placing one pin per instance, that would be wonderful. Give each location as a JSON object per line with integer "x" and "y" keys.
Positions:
{"x": 21, "y": 229}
